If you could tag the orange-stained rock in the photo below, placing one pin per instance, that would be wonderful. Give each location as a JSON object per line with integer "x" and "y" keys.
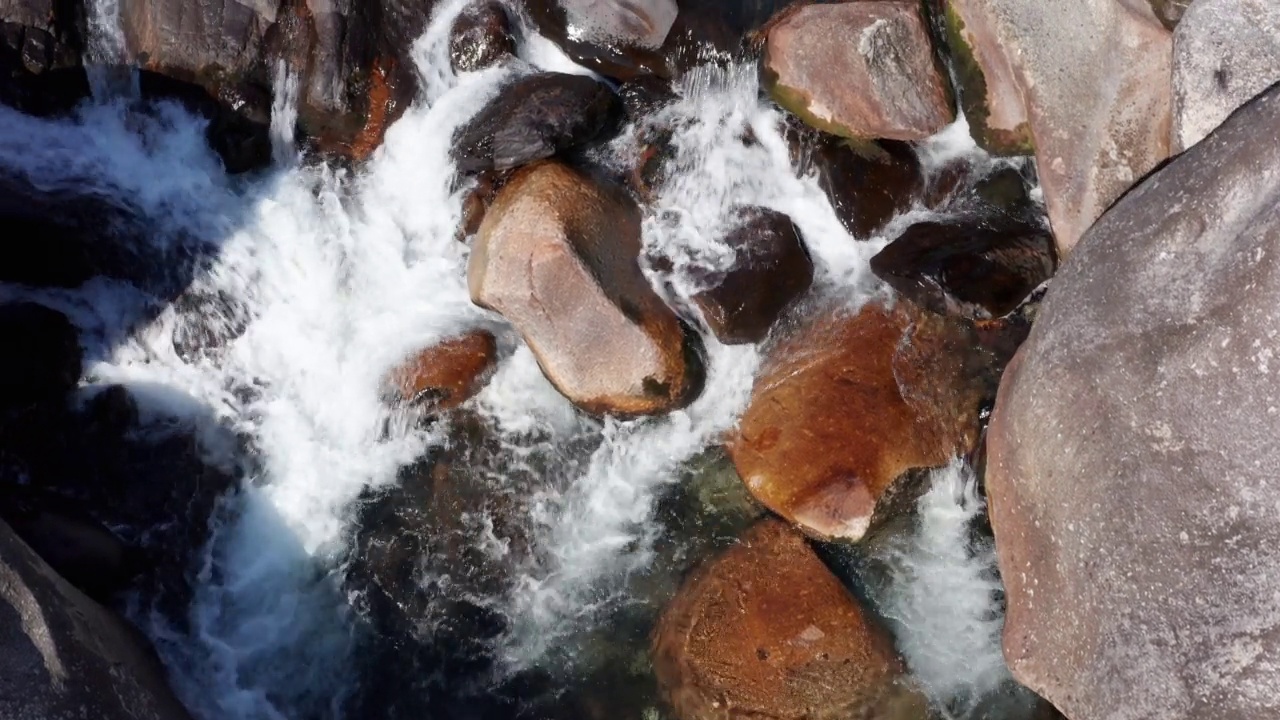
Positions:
{"x": 847, "y": 403}
{"x": 447, "y": 374}
{"x": 765, "y": 630}
{"x": 557, "y": 256}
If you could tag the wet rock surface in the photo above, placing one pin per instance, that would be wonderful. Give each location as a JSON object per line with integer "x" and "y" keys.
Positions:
{"x": 534, "y": 118}
{"x": 858, "y": 70}
{"x": 481, "y": 37}
{"x": 771, "y": 270}
{"x": 868, "y": 184}
{"x": 1224, "y": 53}
{"x": 447, "y": 374}
{"x": 1131, "y": 456}
{"x": 557, "y": 256}
{"x": 64, "y": 656}
{"x": 845, "y": 404}
{"x": 765, "y": 629}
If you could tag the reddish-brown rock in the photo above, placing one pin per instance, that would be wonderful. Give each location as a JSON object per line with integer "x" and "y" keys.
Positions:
{"x": 771, "y": 270}
{"x": 557, "y": 255}
{"x": 859, "y": 69}
{"x": 765, "y": 630}
{"x": 447, "y": 374}
{"x": 847, "y": 403}
{"x": 481, "y": 37}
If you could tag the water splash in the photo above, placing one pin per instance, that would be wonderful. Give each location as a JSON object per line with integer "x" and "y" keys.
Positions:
{"x": 106, "y": 55}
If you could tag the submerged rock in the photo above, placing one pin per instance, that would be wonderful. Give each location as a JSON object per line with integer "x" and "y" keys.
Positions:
{"x": 868, "y": 184}
{"x": 1224, "y": 53}
{"x": 971, "y": 267}
{"x": 845, "y": 404}
{"x": 557, "y": 255}
{"x": 858, "y": 70}
{"x": 771, "y": 269}
{"x": 534, "y": 118}
{"x": 62, "y": 656}
{"x": 766, "y": 630}
{"x": 40, "y": 356}
{"x": 1094, "y": 77}
{"x": 1133, "y": 468}
{"x": 447, "y": 374}
{"x": 481, "y": 37}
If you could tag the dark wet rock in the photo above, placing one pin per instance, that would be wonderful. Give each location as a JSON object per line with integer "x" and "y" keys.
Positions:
{"x": 557, "y": 256}
{"x": 40, "y": 46}
{"x": 644, "y": 95}
{"x": 858, "y": 70}
{"x": 210, "y": 319}
{"x": 481, "y": 37}
{"x": 766, "y": 630}
{"x": 241, "y": 139}
{"x": 40, "y": 355}
{"x": 1133, "y": 468}
{"x": 447, "y": 374}
{"x": 845, "y": 404}
{"x": 476, "y": 203}
{"x": 64, "y": 657}
{"x": 534, "y": 118}
{"x": 868, "y": 184}
{"x": 1224, "y": 53}
{"x": 977, "y": 268}
{"x": 771, "y": 269}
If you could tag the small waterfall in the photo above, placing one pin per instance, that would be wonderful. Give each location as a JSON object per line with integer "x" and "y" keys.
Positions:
{"x": 284, "y": 116}
{"x": 106, "y": 55}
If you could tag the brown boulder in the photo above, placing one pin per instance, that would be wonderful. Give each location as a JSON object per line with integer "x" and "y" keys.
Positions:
{"x": 976, "y": 268}
{"x": 846, "y": 404}
{"x": 868, "y": 184}
{"x": 859, "y": 70}
{"x": 447, "y": 374}
{"x": 481, "y": 37}
{"x": 771, "y": 270}
{"x": 1095, "y": 77}
{"x": 557, "y": 256}
{"x": 765, "y": 630}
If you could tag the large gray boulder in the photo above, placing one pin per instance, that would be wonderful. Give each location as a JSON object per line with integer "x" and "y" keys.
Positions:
{"x": 1224, "y": 53}
{"x": 64, "y": 657}
{"x": 1134, "y": 472}
{"x": 1093, "y": 77}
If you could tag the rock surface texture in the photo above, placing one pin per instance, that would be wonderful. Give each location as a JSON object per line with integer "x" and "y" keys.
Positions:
{"x": 557, "y": 256}
{"x": 447, "y": 374}
{"x": 1094, "y": 76}
{"x": 859, "y": 70}
{"x": 64, "y": 657}
{"x": 847, "y": 403}
{"x": 1224, "y": 53}
{"x": 1133, "y": 469}
{"x": 765, "y": 630}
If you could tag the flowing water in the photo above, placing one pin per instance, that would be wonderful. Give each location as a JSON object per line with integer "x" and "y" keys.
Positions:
{"x": 309, "y": 283}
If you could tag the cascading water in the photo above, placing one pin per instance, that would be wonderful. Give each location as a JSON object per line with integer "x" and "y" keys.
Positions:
{"x": 106, "y": 57}
{"x": 315, "y": 282}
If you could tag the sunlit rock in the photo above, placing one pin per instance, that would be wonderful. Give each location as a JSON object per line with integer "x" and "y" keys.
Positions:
{"x": 1133, "y": 470}
{"x": 65, "y": 657}
{"x": 974, "y": 267}
{"x": 1224, "y": 53}
{"x": 1094, "y": 80}
{"x": 481, "y": 37}
{"x": 448, "y": 373}
{"x": 766, "y": 630}
{"x": 770, "y": 270}
{"x": 557, "y": 256}
{"x": 858, "y": 70}
{"x": 847, "y": 403}
{"x": 534, "y": 118}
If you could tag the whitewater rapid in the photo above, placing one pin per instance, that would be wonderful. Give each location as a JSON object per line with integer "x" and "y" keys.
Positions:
{"x": 316, "y": 281}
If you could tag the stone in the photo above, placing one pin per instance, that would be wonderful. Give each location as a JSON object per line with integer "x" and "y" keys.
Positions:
{"x": 1170, "y": 12}
{"x": 847, "y": 403}
{"x": 1225, "y": 52}
{"x": 976, "y": 268}
{"x": 534, "y": 118}
{"x": 64, "y": 657}
{"x": 622, "y": 39}
{"x": 448, "y": 373}
{"x": 481, "y": 37}
{"x": 40, "y": 356}
{"x": 863, "y": 70}
{"x": 1133, "y": 469}
{"x": 868, "y": 184}
{"x": 40, "y": 46}
{"x": 557, "y": 256}
{"x": 1094, "y": 76}
{"x": 772, "y": 268}
{"x": 991, "y": 93}
{"x": 766, "y": 630}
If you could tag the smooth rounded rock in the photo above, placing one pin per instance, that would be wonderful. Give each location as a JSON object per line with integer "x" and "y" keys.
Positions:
{"x": 481, "y": 37}
{"x": 448, "y": 373}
